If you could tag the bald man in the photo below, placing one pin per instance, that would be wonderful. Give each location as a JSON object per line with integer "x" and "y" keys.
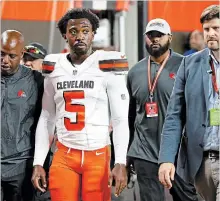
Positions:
{"x": 12, "y": 44}
{"x": 21, "y": 94}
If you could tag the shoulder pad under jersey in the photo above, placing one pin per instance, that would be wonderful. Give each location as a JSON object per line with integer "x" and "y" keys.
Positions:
{"x": 49, "y": 63}
{"x": 113, "y": 61}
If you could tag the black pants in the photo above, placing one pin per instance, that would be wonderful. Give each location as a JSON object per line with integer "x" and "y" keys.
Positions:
{"x": 152, "y": 190}
{"x": 20, "y": 187}
{"x": 38, "y": 196}
{"x": 17, "y": 188}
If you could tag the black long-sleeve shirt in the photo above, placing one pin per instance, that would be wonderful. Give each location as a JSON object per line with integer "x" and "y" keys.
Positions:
{"x": 145, "y": 132}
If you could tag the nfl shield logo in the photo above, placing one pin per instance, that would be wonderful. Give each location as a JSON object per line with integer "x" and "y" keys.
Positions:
{"x": 123, "y": 97}
{"x": 74, "y": 72}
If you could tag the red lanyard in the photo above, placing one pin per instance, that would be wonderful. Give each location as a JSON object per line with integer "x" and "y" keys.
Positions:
{"x": 151, "y": 86}
{"x": 214, "y": 81}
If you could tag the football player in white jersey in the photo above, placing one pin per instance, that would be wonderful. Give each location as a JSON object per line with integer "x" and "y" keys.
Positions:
{"x": 83, "y": 91}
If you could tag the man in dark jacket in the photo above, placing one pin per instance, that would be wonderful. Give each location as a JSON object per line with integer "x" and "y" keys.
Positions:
{"x": 195, "y": 106}
{"x": 21, "y": 94}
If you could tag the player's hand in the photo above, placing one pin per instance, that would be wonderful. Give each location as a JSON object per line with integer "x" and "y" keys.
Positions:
{"x": 119, "y": 174}
{"x": 166, "y": 174}
{"x": 39, "y": 178}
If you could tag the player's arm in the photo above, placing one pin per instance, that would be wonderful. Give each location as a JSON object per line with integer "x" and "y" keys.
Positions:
{"x": 119, "y": 101}
{"x": 44, "y": 134}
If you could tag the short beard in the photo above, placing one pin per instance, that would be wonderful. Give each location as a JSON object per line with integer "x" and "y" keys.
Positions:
{"x": 157, "y": 53}
{"x": 80, "y": 53}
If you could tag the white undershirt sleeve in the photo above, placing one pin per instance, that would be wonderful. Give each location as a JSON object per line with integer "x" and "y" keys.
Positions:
{"x": 119, "y": 102}
{"x": 46, "y": 124}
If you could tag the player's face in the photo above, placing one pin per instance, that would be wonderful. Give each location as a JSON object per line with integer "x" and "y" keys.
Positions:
{"x": 211, "y": 30}
{"x": 11, "y": 54}
{"x": 157, "y": 43}
{"x": 79, "y": 35}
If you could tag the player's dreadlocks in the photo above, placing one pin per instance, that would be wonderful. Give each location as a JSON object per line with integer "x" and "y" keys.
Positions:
{"x": 77, "y": 14}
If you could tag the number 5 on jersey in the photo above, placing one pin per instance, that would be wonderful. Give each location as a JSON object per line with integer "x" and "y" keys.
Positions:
{"x": 77, "y": 108}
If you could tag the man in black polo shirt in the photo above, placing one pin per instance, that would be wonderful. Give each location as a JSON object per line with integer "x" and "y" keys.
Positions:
{"x": 150, "y": 83}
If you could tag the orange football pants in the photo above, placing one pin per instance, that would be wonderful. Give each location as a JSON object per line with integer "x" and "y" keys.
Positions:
{"x": 75, "y": 171}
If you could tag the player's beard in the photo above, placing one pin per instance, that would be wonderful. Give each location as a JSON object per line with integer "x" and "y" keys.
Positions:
{"x": 79, "y": 52}
{"x": 157, "y": 52}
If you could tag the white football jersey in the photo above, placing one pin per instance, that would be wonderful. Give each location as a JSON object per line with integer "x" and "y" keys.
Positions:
{"x": 81, "y": 100}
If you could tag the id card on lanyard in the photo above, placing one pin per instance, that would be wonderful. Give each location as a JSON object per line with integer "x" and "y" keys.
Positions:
{"x": 151, "y": 107}
{"x": 215, "y": 111}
